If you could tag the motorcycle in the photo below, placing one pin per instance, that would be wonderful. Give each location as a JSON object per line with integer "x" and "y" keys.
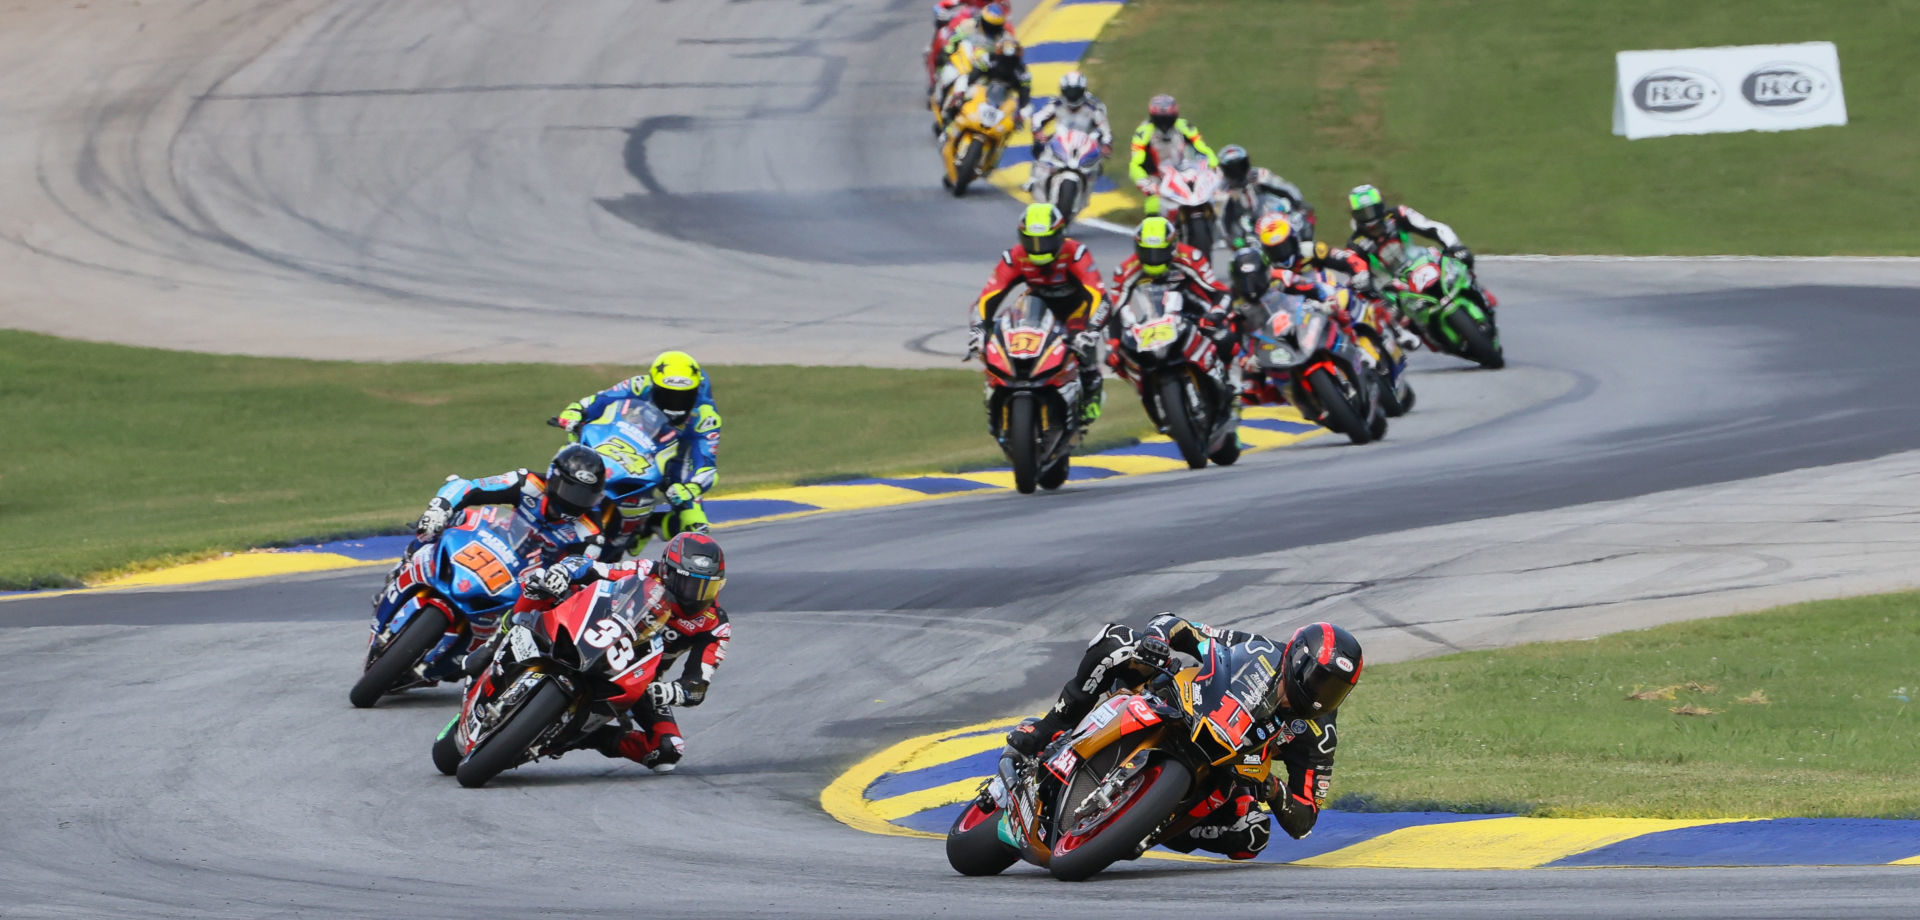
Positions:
{"x": 1244, "y": 208}
{"x": 1071, "y": 161}
{"x": 1185, "y": 385}
{"x": 450, "y": 593}
{"x": 1378, "y": 327}
{"x": 1148, "y": 763}
{"x": 554, "y": 681}
{"x": 637, "y": 442}
{"x": 1438, "y": 295}
{"x": 1033, "y": 394}
{"x": 972, "y": 144}
{"x": 1186, "y": 198}
{"x": 1325, "y": 372}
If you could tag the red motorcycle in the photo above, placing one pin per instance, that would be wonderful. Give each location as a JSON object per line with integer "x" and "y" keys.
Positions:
{"x": 556, "y": 680}
{"x": 1033, "y": 394}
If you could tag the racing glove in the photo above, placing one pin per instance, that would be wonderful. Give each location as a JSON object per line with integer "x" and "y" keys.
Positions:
{"x": 1461, "y": 253}
{"x": 976, "y": 337}
{"x": 682, "y": 494}
{"x": 545, "y": 584}
{"x": 1153, "y": 652}
{"x": 434, "y": 519}
{"x": 687, "y": 692}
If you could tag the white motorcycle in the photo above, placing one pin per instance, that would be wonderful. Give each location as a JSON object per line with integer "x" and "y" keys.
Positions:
{"x": 1187, "y": 190}
{"x": 1063, "y": 176}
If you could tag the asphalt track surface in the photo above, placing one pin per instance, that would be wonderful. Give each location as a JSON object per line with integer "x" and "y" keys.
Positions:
{"x": 191, "y": 752}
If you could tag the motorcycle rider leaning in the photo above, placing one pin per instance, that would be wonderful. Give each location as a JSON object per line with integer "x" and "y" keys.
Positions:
{"x": 1318, "y": 667}
{"x": 1379, "y": 232}
{"x": 1159, "y": 256}
{"x": 681, "y": 591}
{"x": 1237, "y": 169}
{"x": 1164, "y": 137}
{"x": 675, "y": 383}
{"x": 1059, "y": 270}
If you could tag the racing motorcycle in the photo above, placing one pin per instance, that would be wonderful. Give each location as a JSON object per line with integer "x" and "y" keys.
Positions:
{"x": 1325, "y": 372}
{"x": 1186, "y": 198}
{"x": 451, "y": 592}
{"x": 1379, "y": 330}
{"x": 1245, "y": 207}
{"x": 1438, "y": 295}
{"x": 1185, "y": 385}
{"x": 972, "y": 144}
{"x": 555, "y": 680}
{"x": 1070, "y": 162}
{"x": 1147, "y": 764}
{"x": 637, "y": 443}
{"x": 1033, "y": 393}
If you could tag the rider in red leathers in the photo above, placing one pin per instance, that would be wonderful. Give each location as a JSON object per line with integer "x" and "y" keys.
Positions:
{"x": 1158, "y": 256}
{"x": 1058, "y": 270}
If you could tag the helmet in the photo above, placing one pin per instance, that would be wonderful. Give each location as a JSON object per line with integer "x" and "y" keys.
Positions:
{"x": 1279, "y": 241}
{"x": 1321, "y": 665}
{"x": 1369, "y": 212}
{"x": 574, "y": 481}
{"x": 1163, "y": 111}
{"x": 993, "y": 20}
{"x": 674, "y": 384}
{"x": 1073, "y": 89}
{"x": 1153, "y": 246}
{"x": 1234, "y": 165}
{"x": 1250, "y": 276}
{"x": 1321, "y": 251}
{"x": 1042, "y": 232}
{"x": 1006, "y": 52}
{"x": 692, "y": 570}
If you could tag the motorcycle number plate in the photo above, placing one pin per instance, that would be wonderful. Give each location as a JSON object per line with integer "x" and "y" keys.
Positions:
{"x": 1025, "y": 343}
{"x": 629, "y": 457}
{"x": 1155, "y": 334}
{"x": 520, "y": 639}
{"x": 1424, "y": 276}
{"x": 493, "y": 573}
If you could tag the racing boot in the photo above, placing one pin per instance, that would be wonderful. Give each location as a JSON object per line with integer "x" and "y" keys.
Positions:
{"x": 1093, "y": 393}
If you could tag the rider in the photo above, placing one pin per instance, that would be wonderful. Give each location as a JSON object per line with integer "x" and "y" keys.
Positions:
{"x": 676, "y": 384}
{"x": 1060, "y": 271}
{"x": 1158, "y": 256}
{"x": 1164, "y": 137}
{"x": 1379, "y": 232}
{"x": 1240, "y": 173}
{"x": 948, "y": 17}
{"x": 1003, "y": 64}
{"x": 1318, "y": 667}
{"x": 683, "y": 586}
{"x": 1074, "y": 108}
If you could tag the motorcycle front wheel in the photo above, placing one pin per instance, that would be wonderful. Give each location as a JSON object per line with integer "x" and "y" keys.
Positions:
{"x": 1475, "y": 342}
{"x": 1077, "y": 857}
{"x": 1022, "y": 444}
{"x": 1068, "y": 197}
{"x": 506, "y": 746}
{"x": 1200, "y": 233}
{"x": 1171, "y": 391}
{"x": 968, "y": 168}
{"x": 405, "y": 650}
{"x": 1341, "y": 416}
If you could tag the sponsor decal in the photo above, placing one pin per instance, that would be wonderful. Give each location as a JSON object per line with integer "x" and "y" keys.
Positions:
{"x": 1784, "y": 88}
{"x": 1676, "y": 94}
{"x": 1343, "y": 663}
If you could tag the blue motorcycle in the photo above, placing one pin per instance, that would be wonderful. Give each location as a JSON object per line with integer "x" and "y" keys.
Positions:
{"x": 451, "y": 592}
{"x": 638, "y": 444}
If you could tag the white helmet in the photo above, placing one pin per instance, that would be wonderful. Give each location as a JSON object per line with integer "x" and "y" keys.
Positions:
{"x": 1073, "y": 89}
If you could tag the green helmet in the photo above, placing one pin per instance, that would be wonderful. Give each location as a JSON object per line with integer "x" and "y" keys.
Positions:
{"x": 1043, "y": 230}
{"x": 1369, "y": 211}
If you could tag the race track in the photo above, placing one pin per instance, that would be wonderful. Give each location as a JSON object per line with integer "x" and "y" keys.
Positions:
{"x": 191, "y": 752}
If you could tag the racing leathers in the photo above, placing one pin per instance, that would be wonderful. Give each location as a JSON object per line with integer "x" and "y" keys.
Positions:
{"x": 1262, "y": 181}
{"x": 1192, "y": 270}
{"x": 1152, "y": 147}
{"x": 949, "y": 16}
{"x": 1304, "y": 743}
{"x": 687, "y": 477}
{"x": 654, "y": 740}
{"x": 1089, "y": 116}
{"x": 1069, "y": 286}
{"x": 1392, "y": 251}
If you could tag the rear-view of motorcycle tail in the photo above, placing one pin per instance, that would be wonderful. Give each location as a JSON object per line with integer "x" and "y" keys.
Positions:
{"x": 1033, "y": 393}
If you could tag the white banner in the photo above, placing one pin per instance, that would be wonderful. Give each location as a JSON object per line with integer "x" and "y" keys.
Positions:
{"x": 1739, "y": 88}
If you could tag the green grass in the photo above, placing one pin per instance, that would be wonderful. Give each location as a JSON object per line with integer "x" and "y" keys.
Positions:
{"x": 1496, "y": 115}
{"x": 1550, "y": 729}
{"x": 114, "y": 457}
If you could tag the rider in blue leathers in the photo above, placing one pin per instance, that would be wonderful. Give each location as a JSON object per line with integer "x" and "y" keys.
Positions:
{"x": 676, "y": 384}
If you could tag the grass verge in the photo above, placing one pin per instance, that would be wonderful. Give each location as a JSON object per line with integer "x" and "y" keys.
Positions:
{"x": 1804, "y": 710}
{"x": 114, "y": 457}
{"x": 1496, "y": 116}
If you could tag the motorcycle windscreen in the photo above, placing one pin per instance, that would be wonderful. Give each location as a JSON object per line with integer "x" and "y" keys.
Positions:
{"x": 1152, "y": 317}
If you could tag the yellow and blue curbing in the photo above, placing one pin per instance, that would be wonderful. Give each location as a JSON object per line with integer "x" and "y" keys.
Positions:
{"x": 1056, "y": 35}
{"x": 916, "y": 788}
{"x": 1261, "y": 428}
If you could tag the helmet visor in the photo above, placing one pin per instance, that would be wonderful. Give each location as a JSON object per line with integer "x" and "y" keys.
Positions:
{"x": 1163, "y": 122}
{"x": 1152, "y": 257}
{"x": 570, "y": 496}
{"x": 694, "y": 593}
{"x": 1042, "y": 249}
{"x": 1321, "y": 689}
{"x": 675, "y": 401}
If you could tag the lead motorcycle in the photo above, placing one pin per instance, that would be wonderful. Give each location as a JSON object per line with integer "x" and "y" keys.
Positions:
{"x": 1065, "y": 172}
{"x": 555, "y": 680}
{"x": 1148, "y": 763}
{"x": 1033, "y": 393}
{"x": 1187, "y": 388}
{"x": 450, "y": 593}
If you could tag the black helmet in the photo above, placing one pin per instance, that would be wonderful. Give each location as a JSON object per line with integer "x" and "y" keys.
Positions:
{"x": 692, "y": 570}
{"x": 1234, "y": 165}
{"x": 1250, "y": 276}
{"x": 574, "y": 481}
{"x": 1322, "y": 663}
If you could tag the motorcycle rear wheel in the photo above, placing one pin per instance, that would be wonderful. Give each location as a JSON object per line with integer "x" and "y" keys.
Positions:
{"x": 1340, "y": 414}
{"x": 1200, "y": 234}
{"x": 1171, "y": 390}
{"x": 401, "y": 654}
{"x": 975, "y": 849}
{"x": 1069, "y": 196}
{"x": 1228, "y": 454}
{"x": 507, "y": 746}
{"x": 446, "y": 750}
{"x": 1022, "y": 443}
{"x": 1151, "y": 804}
{"x": 1475, "y": 341}
{"x": 969, "y": 168}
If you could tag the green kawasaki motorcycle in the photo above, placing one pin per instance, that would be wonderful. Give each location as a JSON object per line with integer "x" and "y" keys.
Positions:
{"x": 1437, "y": 294}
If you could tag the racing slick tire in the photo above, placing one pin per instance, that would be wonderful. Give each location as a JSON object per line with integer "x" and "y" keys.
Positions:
{"x": 414, "y": 640}
{"x": 446, "y": 750}
{"x": 507, "y": 746}
{"x": 968, "y": 168}
{"x": 1475, "y": 341}
{"x": 1067, "y": 197}
{"x": 1333, "y": 401}
{"x": 1155, "y": 799}
{"x": 1023, "y": 443}
{"x": 1228, "y": 452}
{"x": 1171, "y": 391}
{"x": 1200, "y": 233}
{"x": 1055, "y": 476}
{"x": 973, "y": 843}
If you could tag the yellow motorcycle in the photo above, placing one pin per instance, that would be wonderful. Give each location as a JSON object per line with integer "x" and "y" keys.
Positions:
{"x": 978, "y": 135}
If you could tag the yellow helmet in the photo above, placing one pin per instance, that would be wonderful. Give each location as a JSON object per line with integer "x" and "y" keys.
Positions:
{"x": 673, "y": 383}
